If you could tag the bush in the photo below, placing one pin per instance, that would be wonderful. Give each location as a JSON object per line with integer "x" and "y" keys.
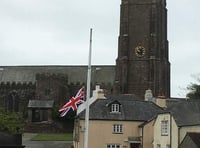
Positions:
{"x": 10, "y": 121}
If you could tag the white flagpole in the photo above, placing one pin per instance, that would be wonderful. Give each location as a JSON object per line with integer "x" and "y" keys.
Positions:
{"x": 88, "y": 94}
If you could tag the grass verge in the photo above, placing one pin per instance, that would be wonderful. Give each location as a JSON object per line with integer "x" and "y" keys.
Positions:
{"x": 53, "y": 137}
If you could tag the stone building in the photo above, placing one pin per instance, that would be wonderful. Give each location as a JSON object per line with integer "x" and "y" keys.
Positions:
{"x": 142, "y": 63}
{"x": 20, "y": 84}
{"x": 143, "y": 59}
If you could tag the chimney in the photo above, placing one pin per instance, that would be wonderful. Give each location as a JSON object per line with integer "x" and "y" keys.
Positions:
{"x": 98, "y": 93}
{"x": 161, "y": 101}
{"x": 149, "y": 96}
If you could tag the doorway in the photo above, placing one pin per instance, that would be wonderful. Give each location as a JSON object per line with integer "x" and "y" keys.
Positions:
{"x": 135, "y": 145}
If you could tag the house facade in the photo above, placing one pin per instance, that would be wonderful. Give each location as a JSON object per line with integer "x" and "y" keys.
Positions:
{"x": 172, "y": 125}
{"x": 164, "y": 131}
{"x": 110, "y": 134}
{"x": 114, "y": 122}
{"x": 125, "y": 122}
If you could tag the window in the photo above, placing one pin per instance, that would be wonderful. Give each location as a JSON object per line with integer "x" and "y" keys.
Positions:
{"x": 158, "y": 146}
{"x": 117, "y": 128}
{"x": 168, "y": 146}
{"x": 47, "y": 92}
{"x": 115, "y": 108}
{"x": 164, "y": 128}
{"x": 113, "y": 146}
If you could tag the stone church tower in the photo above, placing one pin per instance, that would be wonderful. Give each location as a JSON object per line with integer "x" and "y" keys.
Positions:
{"x": 143, "y": 60}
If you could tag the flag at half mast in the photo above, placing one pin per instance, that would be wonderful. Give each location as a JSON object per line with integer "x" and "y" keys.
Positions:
{"x": 72, "y": 103}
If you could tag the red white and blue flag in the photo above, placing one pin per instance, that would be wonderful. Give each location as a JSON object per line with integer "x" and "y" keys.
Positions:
{"x": 72, "y": 103}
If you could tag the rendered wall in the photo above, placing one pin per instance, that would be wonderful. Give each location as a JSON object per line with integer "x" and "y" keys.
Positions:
{"x": 100, "y": 133}
{"x": 158, "y": 137}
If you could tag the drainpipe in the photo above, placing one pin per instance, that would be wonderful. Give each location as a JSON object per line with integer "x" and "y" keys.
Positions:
{"x": 142, "y": 136}
{"x": 178, "y": 135}
{"x": 170, "y": 130}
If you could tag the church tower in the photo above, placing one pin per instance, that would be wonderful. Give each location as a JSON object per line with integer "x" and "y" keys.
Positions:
{"x": 143, "y": 60}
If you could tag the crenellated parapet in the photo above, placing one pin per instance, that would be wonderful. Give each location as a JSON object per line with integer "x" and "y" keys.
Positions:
{"x": 53, "y": 76}
{"x": 17, "y": 85}
{"x": 74, "y": 86}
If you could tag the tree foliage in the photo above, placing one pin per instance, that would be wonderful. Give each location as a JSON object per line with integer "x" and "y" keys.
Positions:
{"x": 9, "y": 121}
{"x": 194, "y": 89}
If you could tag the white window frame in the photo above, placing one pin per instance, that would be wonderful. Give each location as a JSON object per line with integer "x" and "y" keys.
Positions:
{"x": 158, "y": 146}
{"x": 117, "y": 128}
{"x": 164, "y": 127}
{"x": 115, "y": 108}
{"x": 113, "y": 146}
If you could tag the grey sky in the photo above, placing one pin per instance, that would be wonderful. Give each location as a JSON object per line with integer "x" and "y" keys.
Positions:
{"x": 50, "y": 32}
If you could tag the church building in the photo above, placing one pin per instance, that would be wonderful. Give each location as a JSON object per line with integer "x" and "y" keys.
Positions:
{"x": 142, "y": 63}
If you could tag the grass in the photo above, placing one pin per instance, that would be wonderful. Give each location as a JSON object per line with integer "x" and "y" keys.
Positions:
{"x": 53, "y": 137}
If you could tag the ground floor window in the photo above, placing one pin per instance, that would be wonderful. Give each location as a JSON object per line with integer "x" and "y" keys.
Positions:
{"x": 113, "y": 146}
{"x": 158, "y": 146}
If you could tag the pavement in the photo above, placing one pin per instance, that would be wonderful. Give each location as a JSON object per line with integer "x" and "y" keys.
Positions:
{"x": 28, "y": 143}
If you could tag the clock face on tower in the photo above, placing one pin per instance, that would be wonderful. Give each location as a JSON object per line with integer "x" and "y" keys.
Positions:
{"x": 140, "y": 51}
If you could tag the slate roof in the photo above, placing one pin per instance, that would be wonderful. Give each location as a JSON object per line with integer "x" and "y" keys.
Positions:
{"x": 186, "y": 112}
{"x": 40, "y": 103}
{"x": 24, "y": 74}
{"x": 195, "y": 138}
{"x": 190, "y": 140}
{"x": 132, "y": 109}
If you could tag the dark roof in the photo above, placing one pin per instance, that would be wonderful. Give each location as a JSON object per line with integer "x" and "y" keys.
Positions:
{"x": 186, "y": 112}
{"x": 132, "y": 109}
{"x": 40, "y": 103}
{"x": 195, "y": 137}
{"x": 24, "y": 74}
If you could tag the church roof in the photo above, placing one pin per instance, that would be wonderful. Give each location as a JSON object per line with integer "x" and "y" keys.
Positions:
{"x": 132, "y": 109}
{"x": 26, "y": 74}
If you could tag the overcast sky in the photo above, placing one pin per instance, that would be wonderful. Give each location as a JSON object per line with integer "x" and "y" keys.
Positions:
{"x": 56, "y": 32}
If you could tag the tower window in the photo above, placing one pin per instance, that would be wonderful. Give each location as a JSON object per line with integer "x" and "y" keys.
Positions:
{"x": 47, "y": 92}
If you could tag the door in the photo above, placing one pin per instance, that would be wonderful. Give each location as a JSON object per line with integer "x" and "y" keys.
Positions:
{"x": 135, "y": 145}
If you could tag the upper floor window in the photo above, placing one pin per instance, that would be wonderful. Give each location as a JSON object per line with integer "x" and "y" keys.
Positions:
{"x": 115, "y": 108}
{"x": 164, "y": 127}
{"x": 117, "y": 128}
{"x": 113, "y": 146}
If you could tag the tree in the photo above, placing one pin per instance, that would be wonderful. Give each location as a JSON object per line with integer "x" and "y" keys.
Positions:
{"x": 194, "y": 89}
{"x": 9, "y": 121}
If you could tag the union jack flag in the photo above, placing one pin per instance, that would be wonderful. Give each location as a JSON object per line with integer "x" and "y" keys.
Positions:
{"x": 72, "y": 103}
